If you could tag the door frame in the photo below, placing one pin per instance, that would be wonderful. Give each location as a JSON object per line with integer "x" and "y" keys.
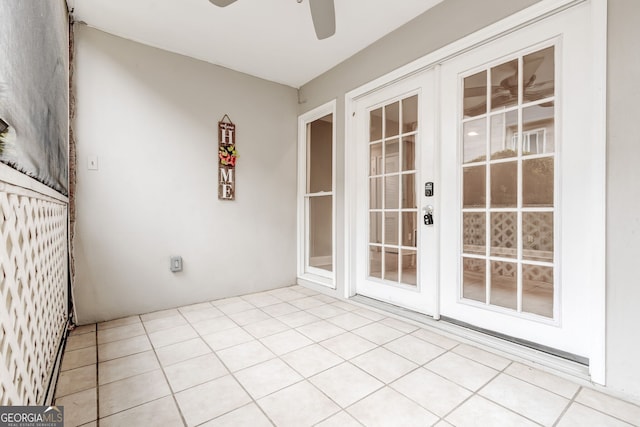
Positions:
{"x": 528, "y": 16}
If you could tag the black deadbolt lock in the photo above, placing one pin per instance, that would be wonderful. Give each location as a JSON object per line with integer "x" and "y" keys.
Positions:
{"x": 428, "y": 189}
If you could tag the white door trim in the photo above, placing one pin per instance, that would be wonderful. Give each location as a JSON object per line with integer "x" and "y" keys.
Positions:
{"x": 537, "y": 12}
{"x": 598, "y": 262}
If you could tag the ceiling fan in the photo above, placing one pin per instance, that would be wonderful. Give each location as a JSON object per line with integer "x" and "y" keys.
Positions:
{"x": 323, "y": 15}
{"x": 506, "y": 92}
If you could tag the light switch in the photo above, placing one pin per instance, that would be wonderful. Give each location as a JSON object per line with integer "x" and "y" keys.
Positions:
{"x": 92, "y": 163}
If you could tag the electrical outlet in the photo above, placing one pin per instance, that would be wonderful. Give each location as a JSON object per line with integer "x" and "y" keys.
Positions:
{"x": 176, "y": 264}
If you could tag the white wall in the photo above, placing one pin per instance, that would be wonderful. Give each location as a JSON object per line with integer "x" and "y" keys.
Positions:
{"x": 151, "y": 119}
{"x": 623, "y": 198}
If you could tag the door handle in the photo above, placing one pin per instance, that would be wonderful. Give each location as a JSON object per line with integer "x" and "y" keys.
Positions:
{"x": 428, "y": 215}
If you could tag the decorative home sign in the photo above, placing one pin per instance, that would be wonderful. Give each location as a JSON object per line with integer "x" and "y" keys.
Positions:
{"x": 227, "y": 156}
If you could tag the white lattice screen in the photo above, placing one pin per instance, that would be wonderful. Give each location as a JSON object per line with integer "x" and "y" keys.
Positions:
{"x": 33, "y": 291}
{"x": 538, "y": 226}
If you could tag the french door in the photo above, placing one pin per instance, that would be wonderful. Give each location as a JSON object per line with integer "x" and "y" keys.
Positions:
{"x": 396, "y": 257}
{"x": 518, "y": 147}
{"x": 503, "y": 137}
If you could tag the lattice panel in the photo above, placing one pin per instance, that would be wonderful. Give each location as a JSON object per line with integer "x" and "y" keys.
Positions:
{"x": 504, "y": 269}
{"x": 538, "y": 229}
{"x": 474, "y": 228}
{"x": 33, "y": 292}
{"x": 535, "y": 273}
{"x": 504, "y": 233}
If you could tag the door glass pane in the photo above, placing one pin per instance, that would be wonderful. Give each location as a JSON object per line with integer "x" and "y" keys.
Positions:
{"x": 375, "y": 193}
{"x": 375, "y": 261}
{"x": 504, "y": 185}
{"x": 474, "y": 233}
{"x": 474, "y": 195}
{"x": 409, "y": 229}
{"x": 475, "y": 94}
{"x": 537, "y": 182}
{"x": 391, "y": 228}
{"x": 504, "y": 85}
{"x": 375, "y": 124}
{"x": 320, "y": 232}
{"x": 504, "y": 234}
{"x": 408, "y": 267}
{"x": 391, "y": 264}
{"x": 392, "y": 119}
{"x": 410, "y": 114}
{"x": 409, "y": 191}
{"x": 504, "y": 135}
{"x": 504, "y": 284}
{"x": 408, "y": 153}
{"x": 538, "y": 75}
{"x": 375, "y": 227}
{"x": 538, "y": 129}
{"x": 474, "y": 279}
{"x": 391, "y": 192}
{"x": 375, "y": 159}
{"x": 320, "y": 155}
{"x": 537, "y": 290}
{"x": 474, "y": 145}
{"x": 392, "y": 156}
{"x": 537, "y": 236}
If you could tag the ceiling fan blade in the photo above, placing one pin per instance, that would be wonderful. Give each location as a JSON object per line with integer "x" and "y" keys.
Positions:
{"x": 323, "y": 14}
{"x": 222, "y": 3}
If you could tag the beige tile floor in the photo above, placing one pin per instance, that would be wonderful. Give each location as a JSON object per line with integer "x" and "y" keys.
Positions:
{"x": 293, "y": 357}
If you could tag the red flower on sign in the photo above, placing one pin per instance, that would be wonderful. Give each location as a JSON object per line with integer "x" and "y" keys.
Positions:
{"x": 228, "y": 155}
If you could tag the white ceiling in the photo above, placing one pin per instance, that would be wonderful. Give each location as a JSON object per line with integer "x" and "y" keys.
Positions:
{"x": 270, "y": 39}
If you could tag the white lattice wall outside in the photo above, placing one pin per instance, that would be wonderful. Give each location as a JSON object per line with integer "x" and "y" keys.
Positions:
{"x": 538, "y": 226}
{"x": 33, "y": 291}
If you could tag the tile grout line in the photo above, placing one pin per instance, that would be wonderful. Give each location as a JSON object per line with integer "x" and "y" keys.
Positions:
{"x": 303, "y": 378}
{"x": 377, "y": 346}
{"x": 423, "y": 366}
{"x": 574, "y": 401}
{"x": 164, "y": 374}
{"x": 97, "y": 379}
{"x": 500, "y": 372}
{"x": 280, "y": 357}
{"x": 473, "y": 392}
{"x": 567, "y": 406}
{"x": 230, "y": 373}
{"x": 133, "y": 376}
